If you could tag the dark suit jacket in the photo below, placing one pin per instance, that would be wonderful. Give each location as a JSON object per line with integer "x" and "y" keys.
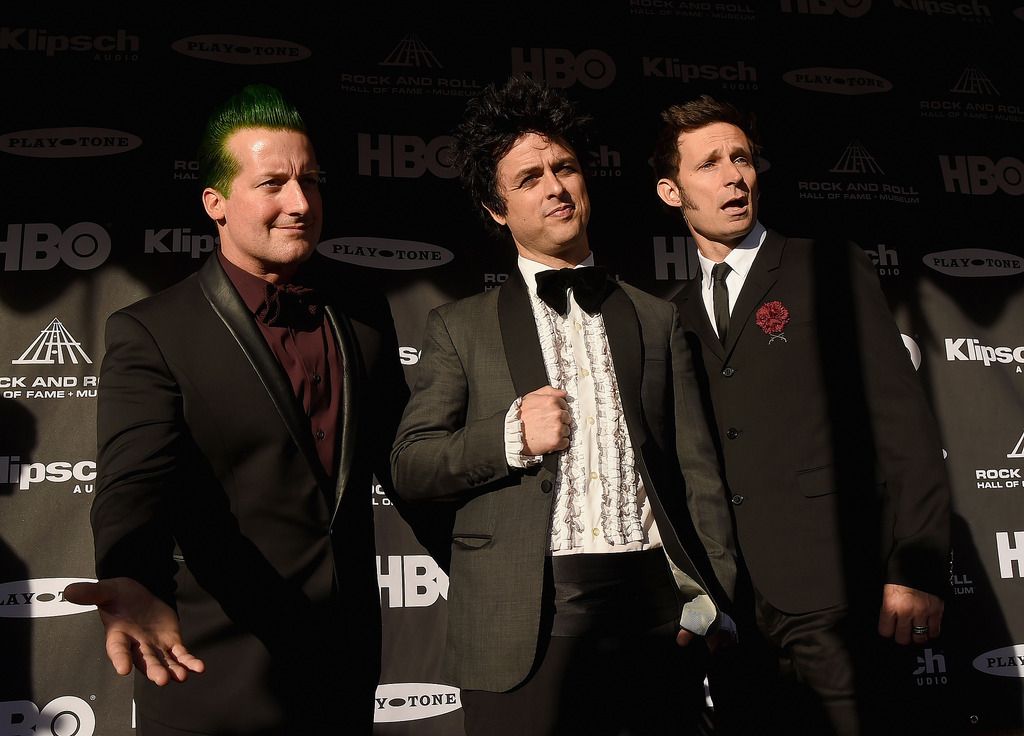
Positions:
{"x": 479, "y": 354}
{"x": 210, "y": 493}
{"x": 829, "y": 445}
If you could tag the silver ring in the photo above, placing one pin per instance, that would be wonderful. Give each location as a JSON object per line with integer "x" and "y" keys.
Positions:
{"x": 920, "y": 629}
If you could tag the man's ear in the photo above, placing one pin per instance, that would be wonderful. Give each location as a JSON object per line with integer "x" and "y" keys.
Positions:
{"x": 213, "y": 203}
{"x": 500, "y": 219}
{"x": 668, "y": 190}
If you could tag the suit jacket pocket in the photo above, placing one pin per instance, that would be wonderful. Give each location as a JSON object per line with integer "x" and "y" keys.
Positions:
{"x": 474, "y": 522}
{"x": 815, "y": 482}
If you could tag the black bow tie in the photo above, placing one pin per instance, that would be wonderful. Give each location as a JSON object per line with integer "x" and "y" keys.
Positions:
{"x": 590, "y": 285}
{"x": 290, "y": 305}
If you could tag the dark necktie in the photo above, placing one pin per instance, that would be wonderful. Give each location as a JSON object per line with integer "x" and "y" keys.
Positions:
{"x": 290, "y": 305}
{"x": 590, "y": 285}
{"x": 720, "y": 297}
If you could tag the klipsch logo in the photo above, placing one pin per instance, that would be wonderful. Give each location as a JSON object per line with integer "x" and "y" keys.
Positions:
{"x": 121, "y": 46}
{"x": 837, "y": 81}
{"x": 738, "y": 76}
{"x": 395, "y": 255}
{"x": 39, "y": 598}
{"x": 25, "y": 475}
{"x": 974, "y": 262}
{"x": 974, "y": 11}
{"x": 68, "y": 142}
{"x": 413, "y": 701}
{"x": 230, "y": 49}
{"x": 179, "y": 240}
{"x": 931, "y": 668}
{"x": 971, "y": 349}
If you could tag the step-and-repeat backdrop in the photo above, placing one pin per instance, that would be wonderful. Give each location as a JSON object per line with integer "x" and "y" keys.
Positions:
{"x": 897, "y": 123}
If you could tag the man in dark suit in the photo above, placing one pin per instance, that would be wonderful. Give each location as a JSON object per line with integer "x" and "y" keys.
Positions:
{"x": 830, "y": 451}
{"x": 561, "y": 419}
{"x": 240, "y": 412}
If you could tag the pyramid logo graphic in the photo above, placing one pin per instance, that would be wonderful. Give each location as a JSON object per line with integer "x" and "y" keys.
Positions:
{"x": 54, "y": 345}
{"x": 974, "y": 82}
{"x": 856, "y": 160}
{"x": 1018, "y": 449}
{"x": 411, "y": 51}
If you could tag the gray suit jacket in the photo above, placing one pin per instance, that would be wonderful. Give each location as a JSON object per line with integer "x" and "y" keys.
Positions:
{"x": 479, "y": 354}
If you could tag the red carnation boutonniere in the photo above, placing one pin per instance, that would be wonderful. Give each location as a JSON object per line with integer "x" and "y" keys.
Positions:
{"x": 772, "y": 318}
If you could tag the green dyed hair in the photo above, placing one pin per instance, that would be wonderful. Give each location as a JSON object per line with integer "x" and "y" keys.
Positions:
{"x": 254, "y": 106}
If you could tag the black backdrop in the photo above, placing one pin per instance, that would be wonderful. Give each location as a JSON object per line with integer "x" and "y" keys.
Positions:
{"x": 895, "y": 122}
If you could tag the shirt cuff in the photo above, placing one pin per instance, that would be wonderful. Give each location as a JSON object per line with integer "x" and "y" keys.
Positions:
{"x": 514, "y": 439}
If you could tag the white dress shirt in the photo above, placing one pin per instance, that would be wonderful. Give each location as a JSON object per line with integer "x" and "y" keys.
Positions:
{"x": 740, "y": 260}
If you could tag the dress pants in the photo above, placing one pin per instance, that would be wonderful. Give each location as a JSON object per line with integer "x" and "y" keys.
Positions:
{"x": 607, "y": 663}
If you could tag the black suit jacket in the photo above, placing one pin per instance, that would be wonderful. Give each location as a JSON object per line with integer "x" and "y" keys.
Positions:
{"x": 479, "y": 354}
{"x": 210, "y": 493}
{"x": 829, "y": 446}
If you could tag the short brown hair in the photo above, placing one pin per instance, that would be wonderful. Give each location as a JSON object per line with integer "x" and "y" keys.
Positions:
{"x": 689, "y": 116}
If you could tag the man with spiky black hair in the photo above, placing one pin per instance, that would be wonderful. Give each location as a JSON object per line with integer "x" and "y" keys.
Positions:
{"x": 559, "y": 415}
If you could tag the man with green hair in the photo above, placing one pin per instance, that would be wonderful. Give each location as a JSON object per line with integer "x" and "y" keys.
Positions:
{"x": 234, "y": 540}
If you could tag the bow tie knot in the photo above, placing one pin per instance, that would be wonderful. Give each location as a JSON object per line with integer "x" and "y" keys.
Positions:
{"x": 290, "y": 305}
{"x": 590, "y": 285}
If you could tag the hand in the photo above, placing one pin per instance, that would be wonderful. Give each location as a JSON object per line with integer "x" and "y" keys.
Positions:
{"x": 141, "y": 629}
{"x": 721, "y": 639}
{"x": 904, "y": 608}
{"x": 545, "y": 417}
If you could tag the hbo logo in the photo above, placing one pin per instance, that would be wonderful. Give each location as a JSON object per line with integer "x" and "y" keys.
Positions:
{"x": 64, "y": 716}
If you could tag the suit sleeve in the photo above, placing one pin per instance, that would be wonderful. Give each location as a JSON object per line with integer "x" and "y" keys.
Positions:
{"x": 439, "y": 453}
{"x": 917, "y": 494}
{"x": 705, "y": 492}
{"x": 141, "y": 441}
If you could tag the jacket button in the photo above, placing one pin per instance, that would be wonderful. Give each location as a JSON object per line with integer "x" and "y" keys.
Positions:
{"x": 728, "y": 371}
{"x": 545, "y": 486}
{"x": 737, "y": 499}
{"x": 732, "y": 433}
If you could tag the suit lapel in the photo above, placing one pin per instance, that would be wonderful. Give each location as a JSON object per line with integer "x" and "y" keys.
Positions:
{"x": 625, "y": 342}
{"x": 228, "y": 305}
{"x": 763, "y": 275}
{"x": 522, "y": 346}
{"x": 346, "y": 343}
{"x": 696, "y": 316}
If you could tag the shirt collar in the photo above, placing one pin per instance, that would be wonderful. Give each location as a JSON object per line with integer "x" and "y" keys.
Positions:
{"x": 740, "y": 258}
{"x": 529, "y": 269}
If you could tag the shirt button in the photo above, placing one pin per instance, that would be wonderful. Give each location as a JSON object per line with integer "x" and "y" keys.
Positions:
{"x": 317, "y": 379}
{"x": 545, "y": 486}
{"x": 732, "y": 433}
{"x": 584, "y": 372}
{"x": 728, "y": 371}
{"x": 578, "y": 325}
{"x": 593, "y": 475}
{"x": 737, "y": 499}
{"x": 595, "y": 532}
{"x": 590, "y": 420}
{"x": 319, "y": 434}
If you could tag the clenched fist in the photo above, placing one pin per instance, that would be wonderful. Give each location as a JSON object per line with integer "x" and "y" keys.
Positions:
{"x": 546, "y": 421}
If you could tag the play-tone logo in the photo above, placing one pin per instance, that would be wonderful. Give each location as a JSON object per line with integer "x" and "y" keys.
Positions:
{"x": 39, "y": 598}
{"x": 68, "y": 142}
{"x": 837, "y": 81}
{"x": 974, "y": 263}
{"x": 386, "y": 253}
{"x": 230, "y": 49}
{"x": 414, "y": 701}
{"x": 1003, "y": 662}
